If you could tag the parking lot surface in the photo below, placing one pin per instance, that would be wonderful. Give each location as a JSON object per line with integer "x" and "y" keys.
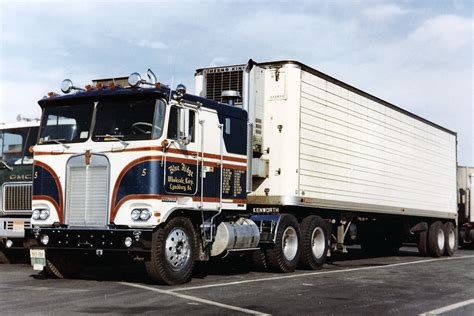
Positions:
{"x": 352, "y": 284}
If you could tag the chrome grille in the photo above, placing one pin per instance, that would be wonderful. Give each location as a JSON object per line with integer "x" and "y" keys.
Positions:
{"x": 87, "y": 190}
{"x": 223, "y": 78}
{"x": 17, "y": 197}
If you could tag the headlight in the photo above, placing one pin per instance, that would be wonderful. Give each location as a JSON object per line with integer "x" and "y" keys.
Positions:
{"x": 44, "y": 214}
{"x": 145, "y": 215}
{"x": 36, "y": 214}
{"x": 135, "y": 215}
{"x": 140, "y": 214}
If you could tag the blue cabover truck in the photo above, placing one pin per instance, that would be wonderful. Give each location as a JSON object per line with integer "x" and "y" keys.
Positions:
{"x": 273, "y": 160}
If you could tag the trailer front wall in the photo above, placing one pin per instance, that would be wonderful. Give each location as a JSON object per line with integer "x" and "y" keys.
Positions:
{"x": 361, "y": 154}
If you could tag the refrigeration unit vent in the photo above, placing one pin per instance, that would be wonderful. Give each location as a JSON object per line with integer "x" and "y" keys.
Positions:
{"x": 221, "y": 79}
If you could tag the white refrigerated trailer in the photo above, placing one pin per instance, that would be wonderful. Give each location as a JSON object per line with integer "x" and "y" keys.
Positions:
{"x": 466, "y": 206}
{"x": 326, "y": 148}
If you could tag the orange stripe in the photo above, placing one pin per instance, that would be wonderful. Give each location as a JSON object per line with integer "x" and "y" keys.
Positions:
{"x": 59, "y": 187}
{"x": 151, "y": 148}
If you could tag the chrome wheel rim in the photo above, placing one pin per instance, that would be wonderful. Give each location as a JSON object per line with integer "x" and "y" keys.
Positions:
{"x": 440, "y": 239}
{"x": 178, "y": 250}
{"x": 318, "y": 242}
{"x": 290, "y": 243}
{"x": 451, "y": 239}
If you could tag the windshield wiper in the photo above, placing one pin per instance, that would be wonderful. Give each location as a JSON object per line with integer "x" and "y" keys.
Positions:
{"x": 4, "y": 163}
{"x": 113, "y": 137}
{"x": 57, "y": 141}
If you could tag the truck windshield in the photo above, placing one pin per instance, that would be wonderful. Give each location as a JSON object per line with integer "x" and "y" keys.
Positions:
{"x": 15, "y": 144}
{"x": 129, "y": 120}
{"x": 66, "y": 124}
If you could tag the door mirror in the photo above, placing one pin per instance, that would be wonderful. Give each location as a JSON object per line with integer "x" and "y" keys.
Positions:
{"x": 183, "y": 133}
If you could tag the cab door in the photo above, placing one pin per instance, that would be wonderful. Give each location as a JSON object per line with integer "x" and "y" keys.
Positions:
{"x": 181, "y": 167}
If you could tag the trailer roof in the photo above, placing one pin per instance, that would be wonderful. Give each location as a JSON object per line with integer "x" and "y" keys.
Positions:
{"x": 351, "y": 88}
{"x": 333, "y": 80}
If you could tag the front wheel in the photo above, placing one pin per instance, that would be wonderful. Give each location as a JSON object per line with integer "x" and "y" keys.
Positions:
{"x": 172, "y": 252}
{"x": 284, "y": 256}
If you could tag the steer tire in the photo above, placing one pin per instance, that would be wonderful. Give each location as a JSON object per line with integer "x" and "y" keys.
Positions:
{"x": 180, "y": 238}
{"x": 451, "y": 243}
{"x": 313, "y": 234}
{"x": 63, "y": 265}
{"x": 284, "y": 255}
{"x": 436, "y": 239}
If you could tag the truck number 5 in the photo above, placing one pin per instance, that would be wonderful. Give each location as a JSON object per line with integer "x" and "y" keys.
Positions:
{"x": 143, "y": 174}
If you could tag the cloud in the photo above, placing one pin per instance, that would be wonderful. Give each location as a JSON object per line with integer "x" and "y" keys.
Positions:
{"x": 152, "y": 44}
{"x": 385, "y": 11}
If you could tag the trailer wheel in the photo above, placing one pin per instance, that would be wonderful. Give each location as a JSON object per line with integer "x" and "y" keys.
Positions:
{"x": 450, "y": 239}
{"x": 423, "y": 243}
{"x": 314, "y": 242}
{"x": 284, "y": 256}
{"x": 63, "y": 265}
{"x": 436, "y": 239}
{"x": 172, "y": 252}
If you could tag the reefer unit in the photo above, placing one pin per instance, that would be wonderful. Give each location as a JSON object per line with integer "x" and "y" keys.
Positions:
{"x": 321, "y": 143}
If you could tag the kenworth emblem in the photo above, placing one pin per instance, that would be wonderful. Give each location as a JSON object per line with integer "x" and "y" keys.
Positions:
{"x": 87, "y": 157}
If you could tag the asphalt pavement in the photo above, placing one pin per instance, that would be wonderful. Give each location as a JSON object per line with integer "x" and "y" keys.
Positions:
{"x": 352, "y": 284}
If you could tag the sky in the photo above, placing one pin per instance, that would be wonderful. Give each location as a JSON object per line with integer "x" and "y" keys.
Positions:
{"x": 415, "y": 54}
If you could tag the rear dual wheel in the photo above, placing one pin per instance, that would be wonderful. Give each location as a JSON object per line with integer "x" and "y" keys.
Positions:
{"x": 314, "y": 242}
{"x": 439, "y": 240}
{"x": 285, "y": 255}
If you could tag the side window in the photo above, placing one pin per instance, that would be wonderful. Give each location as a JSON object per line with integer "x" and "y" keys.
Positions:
{"x": 182, "y": 117}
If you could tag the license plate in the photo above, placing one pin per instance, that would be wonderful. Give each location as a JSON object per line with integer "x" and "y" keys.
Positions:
{"x": 18, "y": 226}
{"x": 38, "y": 258}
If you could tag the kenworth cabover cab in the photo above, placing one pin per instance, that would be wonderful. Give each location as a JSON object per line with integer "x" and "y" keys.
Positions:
{"x": 141, "y": 170}
{"x": 16, "y": 161}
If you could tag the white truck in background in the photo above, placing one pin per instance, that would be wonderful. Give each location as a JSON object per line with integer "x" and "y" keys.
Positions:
{"x": 466, "y": 206}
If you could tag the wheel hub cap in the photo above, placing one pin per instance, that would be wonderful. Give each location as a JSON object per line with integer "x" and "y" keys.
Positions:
{"x": 177, "y": 249}
{"x": 318, "y": 242}
{"x": 290, "y": 243}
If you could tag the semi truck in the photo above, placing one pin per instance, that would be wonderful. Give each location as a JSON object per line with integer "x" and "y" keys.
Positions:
{"x": 466, "y": 206}
{"x": 16, "y": 164}
{"x": 273, "y": 160}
